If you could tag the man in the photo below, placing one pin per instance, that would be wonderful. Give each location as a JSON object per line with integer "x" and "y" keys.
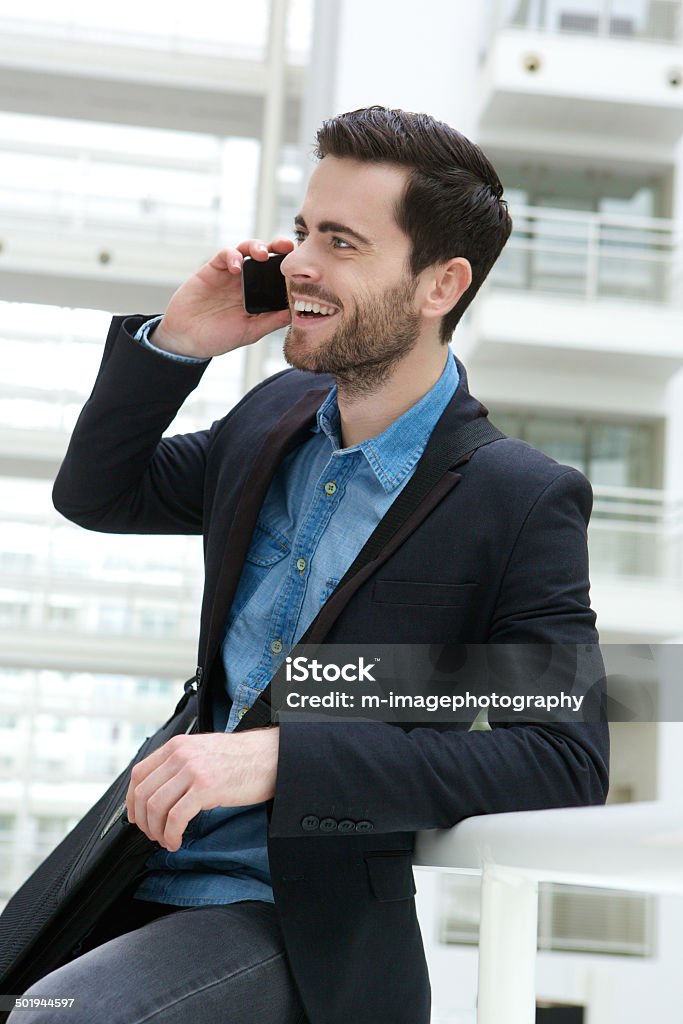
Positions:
{"x": 289, "y": 848}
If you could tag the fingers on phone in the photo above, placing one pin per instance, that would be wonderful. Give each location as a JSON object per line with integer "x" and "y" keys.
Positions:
{"x": 229, "y": 259}
{"x": 254, "y": 247}
{"x": 281, "y": 245}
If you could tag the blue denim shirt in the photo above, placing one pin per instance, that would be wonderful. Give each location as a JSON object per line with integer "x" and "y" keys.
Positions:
{"x": 321, "y": 507}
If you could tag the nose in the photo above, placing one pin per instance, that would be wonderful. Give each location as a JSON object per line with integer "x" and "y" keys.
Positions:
{"x": 299, "y": 264}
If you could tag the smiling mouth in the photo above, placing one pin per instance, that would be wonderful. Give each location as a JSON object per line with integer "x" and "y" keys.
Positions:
{"x": 310, "y": 310}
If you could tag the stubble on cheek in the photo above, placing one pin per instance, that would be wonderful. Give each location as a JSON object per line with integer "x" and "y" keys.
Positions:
{"x": 366, "y": 343}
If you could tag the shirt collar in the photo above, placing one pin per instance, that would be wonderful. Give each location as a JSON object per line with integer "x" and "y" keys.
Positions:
{"x": 394, "y": 452}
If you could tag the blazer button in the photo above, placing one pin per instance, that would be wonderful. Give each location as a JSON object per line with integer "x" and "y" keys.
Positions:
{"x": 346, "y": 825}
{"x": 328, "y": 824}
{"x": 310, "y": 823}
{"x": 364, "y": 826}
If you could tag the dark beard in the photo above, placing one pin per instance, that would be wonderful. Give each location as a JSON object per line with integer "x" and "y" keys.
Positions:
{"x": 365, "y": 348}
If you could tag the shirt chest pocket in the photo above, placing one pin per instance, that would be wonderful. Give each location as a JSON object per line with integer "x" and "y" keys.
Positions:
{"x": 328, "y": 588}
{"x": 268, "y": 548}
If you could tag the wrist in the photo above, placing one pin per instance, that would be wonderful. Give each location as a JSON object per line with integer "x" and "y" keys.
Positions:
{"x": 161, "y": 338}
{"x": 271, "y": 740}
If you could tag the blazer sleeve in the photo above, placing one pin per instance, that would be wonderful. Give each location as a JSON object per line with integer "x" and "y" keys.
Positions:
{"x": 398, "y": 780}
{"x": 119, "y": 475}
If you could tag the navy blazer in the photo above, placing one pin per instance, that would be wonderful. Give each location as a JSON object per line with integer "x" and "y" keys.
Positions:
{"x": 496, "y": 553}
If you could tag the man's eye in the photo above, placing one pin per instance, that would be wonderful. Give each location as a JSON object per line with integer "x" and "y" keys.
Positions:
{"x": 299, "y": 235}
{"x": 340, "y": 243}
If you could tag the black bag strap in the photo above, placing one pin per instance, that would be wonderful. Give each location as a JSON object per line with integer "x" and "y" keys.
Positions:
{"x": 435, "y": 460}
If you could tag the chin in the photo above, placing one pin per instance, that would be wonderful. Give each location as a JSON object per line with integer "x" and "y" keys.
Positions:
{"x": 297, "y": 353}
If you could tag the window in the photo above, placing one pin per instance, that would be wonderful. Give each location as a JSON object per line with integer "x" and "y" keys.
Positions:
{"x": 608, "y": 453}
{"x": 628, "y": 533}
{"x": 585, "y": 231}
{"x": 62, "y": 615}
{"x": 48, "y": 832}
{"x": 570, "y": 918}
{"x": 7, "y": 827}
{"x": 15, "y": 609}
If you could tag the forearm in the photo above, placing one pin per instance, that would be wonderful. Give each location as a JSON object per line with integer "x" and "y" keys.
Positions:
{"x": 117, "y": 474}
{"x": 425, "y": 778}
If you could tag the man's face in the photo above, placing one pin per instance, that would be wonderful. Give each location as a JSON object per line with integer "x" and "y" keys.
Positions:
{"x": 352, "y": 261}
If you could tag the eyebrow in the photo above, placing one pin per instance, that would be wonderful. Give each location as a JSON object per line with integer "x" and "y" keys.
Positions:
{"x": 333, "y": 225}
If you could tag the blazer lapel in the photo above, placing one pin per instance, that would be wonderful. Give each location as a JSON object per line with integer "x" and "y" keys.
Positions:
{"x": 462, "y": 408}
{"x": 290, "y": 430}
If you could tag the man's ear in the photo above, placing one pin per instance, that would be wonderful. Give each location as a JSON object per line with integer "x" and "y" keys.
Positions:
{"x": 444, "y": 285}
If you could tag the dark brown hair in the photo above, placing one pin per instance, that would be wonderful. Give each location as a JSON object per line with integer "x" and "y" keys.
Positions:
{"x": 452, "y": 204}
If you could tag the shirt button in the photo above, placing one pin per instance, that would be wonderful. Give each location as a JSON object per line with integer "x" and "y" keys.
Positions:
{"x": 276, "y": 646}
{"x": 330, "y": 487}
{"x": 364, "y": 826}
{"x": 301, "y": 564}
{"x": 242, "y": 712}
{"x": 310, "y": 823}
{"x": 328, "y": 824}
{"x": 346, "y": 825}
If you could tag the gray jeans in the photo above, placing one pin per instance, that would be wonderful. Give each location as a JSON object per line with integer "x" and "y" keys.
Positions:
{"x": 214, "y": 965}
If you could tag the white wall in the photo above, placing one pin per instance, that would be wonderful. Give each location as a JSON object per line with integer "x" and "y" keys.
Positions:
{"x": 419, "y": 57}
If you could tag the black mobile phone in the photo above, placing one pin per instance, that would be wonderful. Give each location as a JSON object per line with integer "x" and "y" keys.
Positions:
{"x": 264, "y": 288}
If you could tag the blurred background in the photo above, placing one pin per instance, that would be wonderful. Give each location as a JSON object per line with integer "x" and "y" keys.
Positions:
{"x": 138, "y": 138}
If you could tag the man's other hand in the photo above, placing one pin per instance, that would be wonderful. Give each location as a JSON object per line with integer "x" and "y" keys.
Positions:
{"x": 190, "y": 774}
{"x": 206, "y": 317}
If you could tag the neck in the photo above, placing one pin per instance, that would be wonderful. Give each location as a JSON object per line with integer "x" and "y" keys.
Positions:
{"x": 366, "y": 415}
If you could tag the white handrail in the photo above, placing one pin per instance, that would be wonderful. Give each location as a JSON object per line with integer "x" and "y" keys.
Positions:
{"x": 626, "y": 846}
{"x": 565, "y": 215}
{"x": 635, "y": 846}
{"x": 591, "y": 254}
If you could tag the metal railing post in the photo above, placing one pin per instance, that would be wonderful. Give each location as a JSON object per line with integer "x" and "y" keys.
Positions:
{"x": 604, "y": 18}
{"x": 507, "y": 947}
{"x": 593, "y": 257}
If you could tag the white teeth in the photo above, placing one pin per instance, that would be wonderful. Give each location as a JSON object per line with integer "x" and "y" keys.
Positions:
{"x": 304, "y": 306}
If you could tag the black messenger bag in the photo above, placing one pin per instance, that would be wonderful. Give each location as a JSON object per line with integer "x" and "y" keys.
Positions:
{"x": 48, "y": 920}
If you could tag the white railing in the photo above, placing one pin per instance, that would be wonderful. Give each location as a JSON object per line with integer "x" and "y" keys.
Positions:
{"x": 636, "y": 532}
{"x": 131, "y": 218}
{"x": 57, "y": 578}
{"x": 195, "y": 32}
{"x": 653, "y": 20}
{"x": 86, "y": 30}
{"x": 637, "y": 847}
{"x": 591, "y": 255}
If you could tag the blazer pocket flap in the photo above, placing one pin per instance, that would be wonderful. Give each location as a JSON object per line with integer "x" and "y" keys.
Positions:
{"x": 409, "y": 592}
{"x": 391, "y": 876}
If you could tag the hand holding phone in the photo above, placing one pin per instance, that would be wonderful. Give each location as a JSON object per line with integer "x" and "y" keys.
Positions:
{"x": 264, "y": 289}
{"x": 206, "y": 316}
